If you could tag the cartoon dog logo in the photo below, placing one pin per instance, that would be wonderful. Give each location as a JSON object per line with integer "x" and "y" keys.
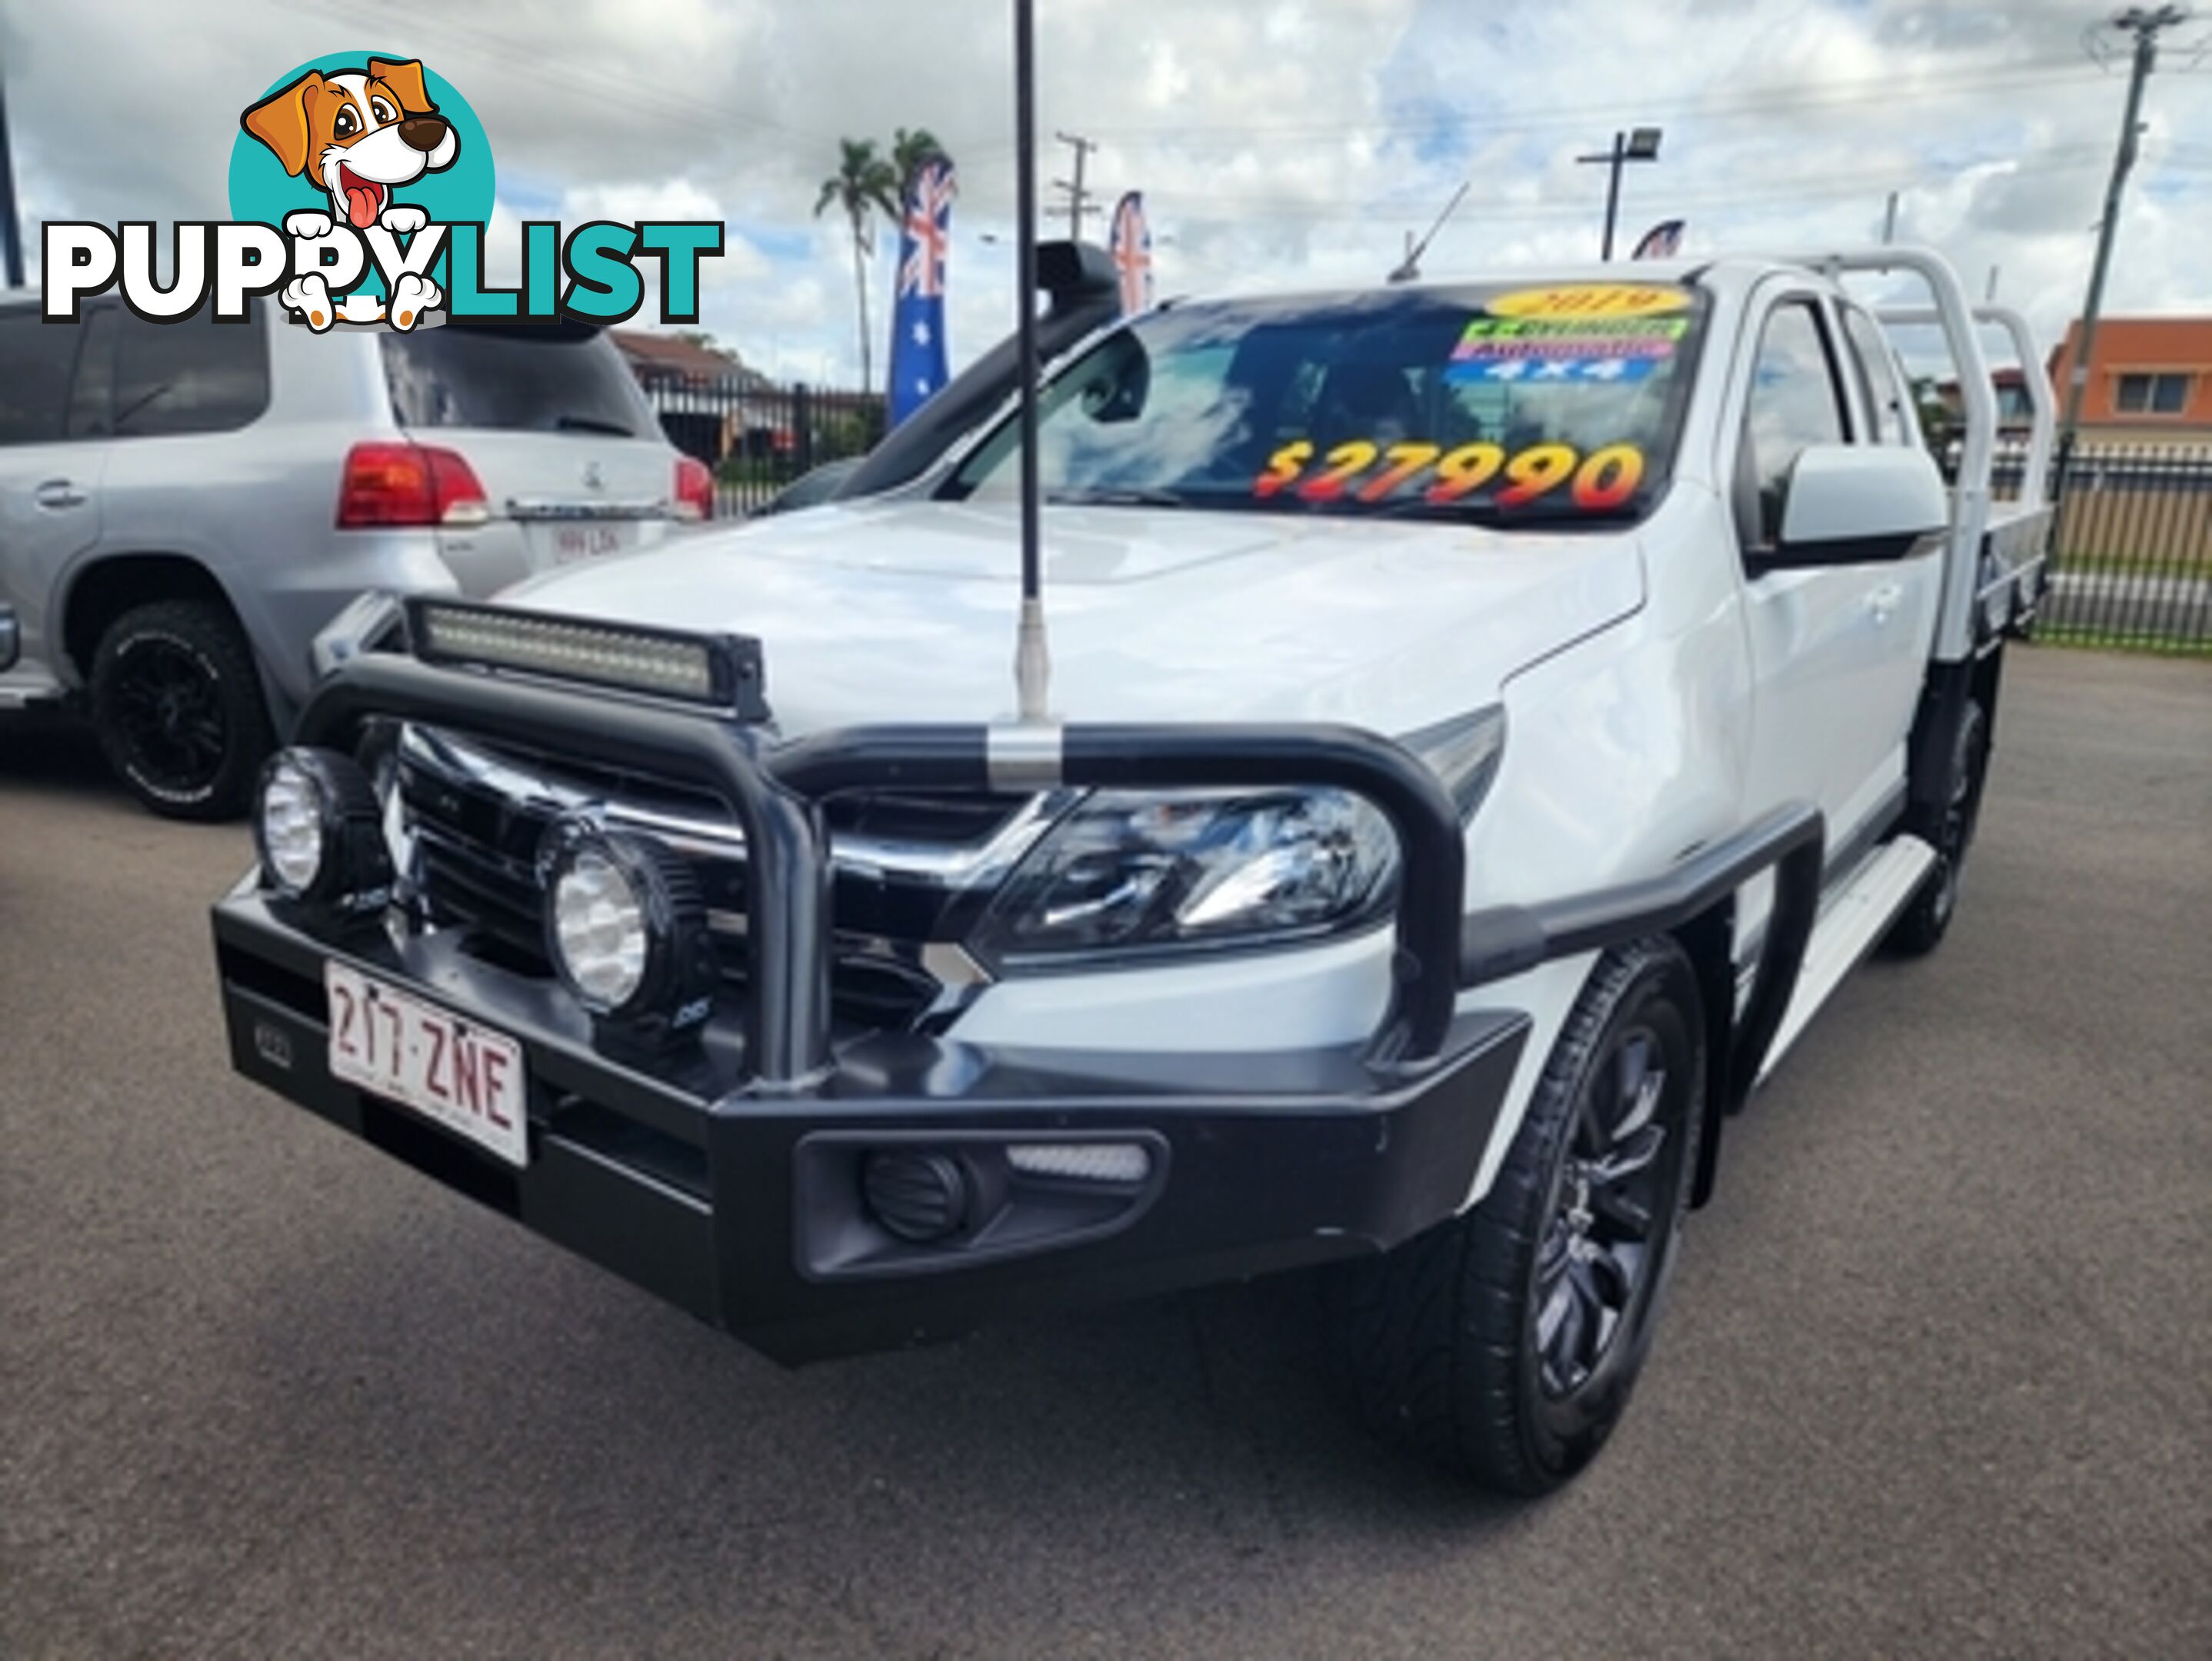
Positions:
{"x": 359, "y": 134}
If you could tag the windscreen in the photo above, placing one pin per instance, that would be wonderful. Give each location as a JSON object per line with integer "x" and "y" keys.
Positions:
{"x": 523, "y": 378}
{"x": 1533, "y": 404}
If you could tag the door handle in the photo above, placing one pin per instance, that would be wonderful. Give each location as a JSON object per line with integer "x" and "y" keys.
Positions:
{"x": 1884, "y": 601}
{"x": 58, "y": 493}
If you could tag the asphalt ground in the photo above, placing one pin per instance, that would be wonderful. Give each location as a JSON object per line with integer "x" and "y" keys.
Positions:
{"x": 1936, "y": 1376}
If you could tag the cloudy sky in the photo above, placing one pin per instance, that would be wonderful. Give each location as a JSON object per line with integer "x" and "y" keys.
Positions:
{"x": 1294, "y": 141}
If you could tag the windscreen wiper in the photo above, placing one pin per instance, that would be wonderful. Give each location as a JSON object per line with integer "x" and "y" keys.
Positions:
{"x": 566, "y": 424}
{"x": 1115, "y": 496}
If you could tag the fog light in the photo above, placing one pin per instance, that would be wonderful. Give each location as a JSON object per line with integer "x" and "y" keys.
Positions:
{"x": 918, "y": 1196}
{"x": 1083, "y": 1161}
{"x": 318, "y": 830}
{"x": 626, "y": 929}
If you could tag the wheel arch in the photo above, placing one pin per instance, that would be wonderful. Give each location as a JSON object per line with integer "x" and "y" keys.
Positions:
{"x": 1708, "y": 940}
{"x": 105, "y": 587}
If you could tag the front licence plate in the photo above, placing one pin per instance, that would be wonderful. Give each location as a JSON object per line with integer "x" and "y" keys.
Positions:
{"x": 468, "y": 1078}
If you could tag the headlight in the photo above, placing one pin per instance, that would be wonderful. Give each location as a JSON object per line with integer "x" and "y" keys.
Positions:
{"x": 1135, "y": 872}
{"x": 317, "y": 828}
{"x": 1190, "y": 868}
{"x": 627, "y": 930}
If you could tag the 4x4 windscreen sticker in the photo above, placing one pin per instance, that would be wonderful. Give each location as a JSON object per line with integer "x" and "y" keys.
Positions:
{"x": 1365, "y": 470}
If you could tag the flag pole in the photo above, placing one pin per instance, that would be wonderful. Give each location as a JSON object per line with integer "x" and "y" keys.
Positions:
{"x": 1032, "y": 660}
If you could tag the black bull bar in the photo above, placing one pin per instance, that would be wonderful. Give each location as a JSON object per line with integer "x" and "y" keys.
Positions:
{"x": 1276, "y": 1161}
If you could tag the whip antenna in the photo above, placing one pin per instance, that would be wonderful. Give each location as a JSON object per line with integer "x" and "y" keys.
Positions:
{"x": 1032, "y": 662}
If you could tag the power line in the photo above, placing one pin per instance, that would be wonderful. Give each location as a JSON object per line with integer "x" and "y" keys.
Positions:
{"x": 1791, "y": 97}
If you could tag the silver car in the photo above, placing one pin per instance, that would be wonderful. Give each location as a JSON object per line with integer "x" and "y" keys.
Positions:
{"x": 184, "y": 505}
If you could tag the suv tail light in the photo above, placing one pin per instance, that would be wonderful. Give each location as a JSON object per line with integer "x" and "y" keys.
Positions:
{"x": 391, "y": 482}
{"x": 695, "y": 489}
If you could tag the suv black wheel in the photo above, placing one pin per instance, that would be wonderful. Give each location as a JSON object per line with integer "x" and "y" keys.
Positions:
{"x": 178, "y": 707}
{"x": 1921, "y": 926}
{"x": 1503, "y": 1344}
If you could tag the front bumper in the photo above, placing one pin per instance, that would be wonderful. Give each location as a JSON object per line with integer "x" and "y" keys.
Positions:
{"x": 731, "y": 1177}
{"x": 744, "y": 1205}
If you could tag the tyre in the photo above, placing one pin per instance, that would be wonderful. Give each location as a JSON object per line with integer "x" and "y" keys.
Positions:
{"x": 177, "y": 706}
{"x": 1921, "y": 926}
{"x": 1503, "y": 1344}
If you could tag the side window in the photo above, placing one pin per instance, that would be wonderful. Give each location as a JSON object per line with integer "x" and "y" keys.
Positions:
{"x": 193, "y": 376}
{"x": 1878, "y": 381}
{"x": 34, "y": 376}
{"x": 1794, "y": 402}
{"x": 92, "y": 398}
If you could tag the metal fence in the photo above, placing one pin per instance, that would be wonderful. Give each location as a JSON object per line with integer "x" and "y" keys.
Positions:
{"x": 2131, "y": 548}
{"x": 759, "y": 437}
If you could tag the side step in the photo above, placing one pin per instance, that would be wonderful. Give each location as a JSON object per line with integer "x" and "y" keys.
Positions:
{"x": 1855, "y": 918}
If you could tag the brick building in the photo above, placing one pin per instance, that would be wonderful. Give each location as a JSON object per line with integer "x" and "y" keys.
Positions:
{"x": 2150, "y": 379}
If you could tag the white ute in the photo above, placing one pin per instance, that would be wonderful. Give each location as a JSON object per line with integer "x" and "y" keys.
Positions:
{"x": 1488, "y": 718}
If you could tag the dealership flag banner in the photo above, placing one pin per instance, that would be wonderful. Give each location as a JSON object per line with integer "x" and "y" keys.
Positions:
{"x": 1132, "y": 254}
{"x": 1662, "y": 241}
{"x": 918, "y": 320}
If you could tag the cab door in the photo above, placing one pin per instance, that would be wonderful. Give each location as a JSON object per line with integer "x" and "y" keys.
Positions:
{"x": 1819, "y": 637}
{"x": 49, "y": 479}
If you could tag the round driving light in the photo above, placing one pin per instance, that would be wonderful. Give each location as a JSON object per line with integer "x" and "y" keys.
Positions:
{"x": 599, "y": 931}
{"x": 290, "y": 827}
{"x": 319, "y": 829}
{"x": 626, "y": 929}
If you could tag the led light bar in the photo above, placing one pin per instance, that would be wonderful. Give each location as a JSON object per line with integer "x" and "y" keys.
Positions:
{"x": 1083, "y": 1161}
{"x": 722, "y": 670}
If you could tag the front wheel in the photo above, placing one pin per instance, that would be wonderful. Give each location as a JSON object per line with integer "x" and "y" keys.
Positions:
{"x": 178, "y": 708}
{"x": 1503, "y": 1344}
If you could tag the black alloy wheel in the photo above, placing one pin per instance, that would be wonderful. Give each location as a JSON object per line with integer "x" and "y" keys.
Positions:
{"x": 1503, "y": 1343}
{"x": 178, "y": 707}
{"x": 1596, "y": 1265}
{"x": 168, "y": 717}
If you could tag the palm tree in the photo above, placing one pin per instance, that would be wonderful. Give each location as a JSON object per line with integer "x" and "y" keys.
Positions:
{"x": 863, "y": 183}
{"x": 910, "y": 151}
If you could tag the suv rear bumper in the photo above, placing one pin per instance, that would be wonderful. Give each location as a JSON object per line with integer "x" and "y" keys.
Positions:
{"x": 744, "y": 1205}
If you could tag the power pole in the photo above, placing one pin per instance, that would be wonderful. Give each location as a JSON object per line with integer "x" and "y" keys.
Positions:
{"x": 11, "y": 235}
{"x": 2145, "y": 25}
{"x": 1077, "y": 195}
{"x": 1889, "y": 222}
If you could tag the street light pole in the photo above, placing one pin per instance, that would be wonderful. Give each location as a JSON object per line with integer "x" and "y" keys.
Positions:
{"x": 1637, "y": 144}
{"x": 1612, "y": 197}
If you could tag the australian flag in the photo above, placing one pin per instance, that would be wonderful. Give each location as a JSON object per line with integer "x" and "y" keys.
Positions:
{"x": 1132, "y": 254}
{"x": 918, "y": 318}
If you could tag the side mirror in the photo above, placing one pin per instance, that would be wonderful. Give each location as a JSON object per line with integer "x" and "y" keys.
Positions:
{"x": 1855, "y": 504}
{"x": 11, "y": 638}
